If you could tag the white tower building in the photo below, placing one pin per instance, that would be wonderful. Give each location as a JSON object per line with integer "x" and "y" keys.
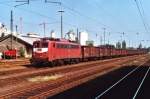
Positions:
{"x": 83, "y": 38}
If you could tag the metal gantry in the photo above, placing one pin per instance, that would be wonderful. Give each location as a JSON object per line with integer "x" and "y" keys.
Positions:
{"x": 46, "y": 1}
{"x": 22, "y": 3}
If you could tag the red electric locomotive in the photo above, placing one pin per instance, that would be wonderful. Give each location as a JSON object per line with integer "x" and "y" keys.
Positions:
{"x": 55, "y": 51}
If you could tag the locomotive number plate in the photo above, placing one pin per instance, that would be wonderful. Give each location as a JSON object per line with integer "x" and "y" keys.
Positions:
{"x": 39, "y": 49}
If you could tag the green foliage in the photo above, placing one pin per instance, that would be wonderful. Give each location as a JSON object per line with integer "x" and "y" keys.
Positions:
{"x": 140, "y": 46}
{"x": 22, "y": 52}
{"x": 123, "y": 44}
{"x": 118, "y": 45}
{"x": 2, "y": 35}
{"x": 90, "y": 43}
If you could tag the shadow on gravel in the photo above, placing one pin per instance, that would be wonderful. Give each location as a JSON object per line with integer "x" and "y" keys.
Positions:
{"x": 93, "y": 88}
{"x": 38, "y": 65}
{"x": 35, "y": 66}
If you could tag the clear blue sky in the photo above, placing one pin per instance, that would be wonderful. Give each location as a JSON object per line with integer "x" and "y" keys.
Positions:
{"x": 116, "y": 16}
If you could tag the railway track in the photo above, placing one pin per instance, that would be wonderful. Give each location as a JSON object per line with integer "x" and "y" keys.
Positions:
{"x": 78, "y": 74}
{"x": 8, "y": 64}
{"x": 110, "y": 86}
{"x": 21, "y": 78}
{"x": 60, "y": 70}
{"x": 89, "y": 75}
{"x": 45, "y": 71}
{"x": 41, "y": 90}
{"x": 129, "y": 86}
{"x": 18, "y": 68}
{"x": 20, "y": 71}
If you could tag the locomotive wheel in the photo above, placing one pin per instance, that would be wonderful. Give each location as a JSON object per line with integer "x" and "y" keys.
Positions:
{"x": 53, "y": 63}
{"x": 37, "y": 64}
{"x": 60, "y": 62}
{"x": 77, "y": 60}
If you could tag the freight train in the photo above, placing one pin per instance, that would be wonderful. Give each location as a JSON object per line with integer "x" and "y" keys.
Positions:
{"x": 61, "y": 51}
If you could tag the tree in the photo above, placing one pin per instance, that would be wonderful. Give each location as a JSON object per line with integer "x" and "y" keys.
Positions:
{"x": 90, "y": 43}
{"x": 118, "y": 45}
{"x": 149, "y": 49}
{"x": 140, "y": 46}
{"x": 3, "y": 34}
{"x": 22, "y": 52}
{"x": 124, "y": 44}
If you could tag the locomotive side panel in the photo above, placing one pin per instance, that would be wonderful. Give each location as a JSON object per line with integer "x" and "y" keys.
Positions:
{"x": 63, "y": 50}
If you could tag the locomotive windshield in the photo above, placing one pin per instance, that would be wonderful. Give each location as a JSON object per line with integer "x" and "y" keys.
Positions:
{"x": 36, "y": 44}
{"x": 40, "y": 44}
{"x": 44, "y": 44}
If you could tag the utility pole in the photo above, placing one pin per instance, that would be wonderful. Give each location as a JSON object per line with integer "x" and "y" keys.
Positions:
{"x": 101, "y": 40}
{"x": 123, "y": 35}
{"x": 104, "y": 34}
{"x": 16, "y": 32}
{"x": 77, "y": 35}
{"x": 61, "y": 18}
{"x": 129, "y": 43}
{"x": 44, "y": 27}
{"x": 61, "y": 14}
{"x": 108, "y": 38}
{"x": 21, "y": 25}
{"x": 11, "y": 28}
{"x": 137, "y": 38}
{"x": 16, "y": 28}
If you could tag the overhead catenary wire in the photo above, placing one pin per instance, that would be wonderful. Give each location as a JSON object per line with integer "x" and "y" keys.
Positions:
{"x": 30, "y": 11}
{"x": 144, "y": 15}
{"x": 119, "y": 23}
{"x": 71, "y": 9}
{"x": 141, "y": 15}
{"x": 85, "y": 16}
{"x": 76, "y": 12}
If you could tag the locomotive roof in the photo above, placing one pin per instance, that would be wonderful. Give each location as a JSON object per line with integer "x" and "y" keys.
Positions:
{"x": 58, "y": 40}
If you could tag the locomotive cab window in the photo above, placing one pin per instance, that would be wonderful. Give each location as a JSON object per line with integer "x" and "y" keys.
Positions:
{"x": 45, "y": 45}
{"x": 36, "y": 45}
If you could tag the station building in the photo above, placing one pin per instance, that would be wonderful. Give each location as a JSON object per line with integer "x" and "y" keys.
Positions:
{"x": 19, "y": 43}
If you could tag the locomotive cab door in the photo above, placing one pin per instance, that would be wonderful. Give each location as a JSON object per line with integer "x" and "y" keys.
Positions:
{"x": 51, "y": 51}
